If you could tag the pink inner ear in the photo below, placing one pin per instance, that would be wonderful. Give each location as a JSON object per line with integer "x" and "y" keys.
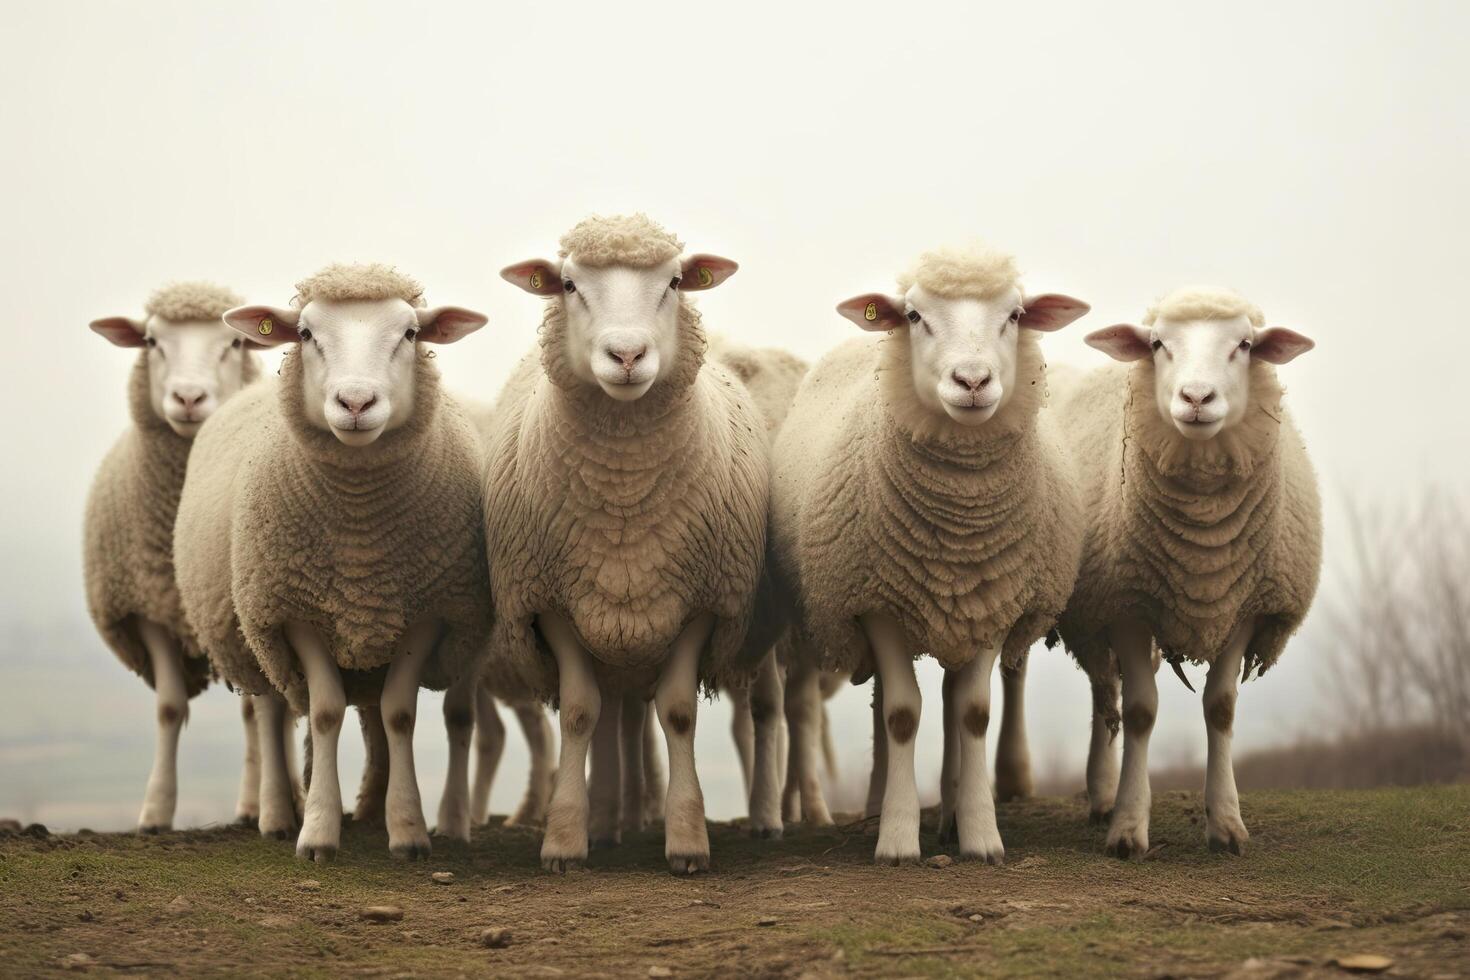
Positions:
{"x": 872, "y": 311}
{"x": 704, "y": 271}
{"x": 118, "y": 330}
{"x": 1121, "y": 342}
{"x": 1052, "y": 311}
{"x": 1278, "y": 345}
{"x": 535, "y": 276}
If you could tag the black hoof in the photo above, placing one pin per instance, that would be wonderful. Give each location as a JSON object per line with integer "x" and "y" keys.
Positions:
{"x": 1218, "y": 846}
{"x": 318, "y": 855}
{"x": 152, "y": 830}
{"x": 410, "y": 852}
{"x": 561, "y": 866}
{"x": 247, "y": 823}
{"x": 688, "y": 864}
{"x": 767, "y": 833}
{"x": 1099, "y": 818}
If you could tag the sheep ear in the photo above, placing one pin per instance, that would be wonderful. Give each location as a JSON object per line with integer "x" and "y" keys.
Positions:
{"x": 1051, "y": 311}
{"x": 264, "y": 326}
{"x": 874, "y": 311}
{"x": 536, "y": 276}
{"x": 1277, "y": 345}
{"x": 446, "y": 324}
{"x": 1121, "y": 342}
{"x": 704, "y": 271}
{"x": 121, "y": 331}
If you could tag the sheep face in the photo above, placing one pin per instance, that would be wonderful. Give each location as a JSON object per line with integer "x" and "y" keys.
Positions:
{"x": 193, "y": 365}
{"x": 963, "y": 349}
{"x": 622, "y": 322}
{"x": 357, "y": 356}
{"x": 1201, "y": 366}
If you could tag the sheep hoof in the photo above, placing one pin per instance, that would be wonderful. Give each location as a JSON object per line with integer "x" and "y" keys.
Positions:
{"x": 767, "y": 833}
{"x": 896, "y": 860}
{"x": 410, "y": 851}
{"x": 247, "y": 821}
{"x": 996, "y": 857}
{"x": 1227, "y": 839}
{"x": 154, "y": 829}
{"x": 561, "y": 865}
{"x": 1099, "y": 818}
{"x": 688, "y": 864}
{"x": 1127, "y": 848}
{"x": 321, "y": 854}
{"x": 280, "y": 833}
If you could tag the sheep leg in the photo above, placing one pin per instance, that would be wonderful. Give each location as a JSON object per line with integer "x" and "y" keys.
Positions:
{"x": 321, "y": 828}
{"x": 247, "y": 803}
{"x": 293, "y": 771}
{"x": 1224, "y": 828}
{"x": 372, "y": 791}
{"x": 605, "y": 786}
{"x": 878, "y": 776}
{"x": 803, "y": 699}
{"x": 975, "y": 805}
{"x": 1012, "y": 754}
{"x": 1128, "y": 833}
{"x": 564, "y": 845}
{"x": 408, "y": 834}
{"x": 161, "y": 797}
{"x": 898, "y": 827}
{"x": 764, "y": 703}
{"x": 742, "y": 730}
{"x": 532, "y": 812}
{"x": 459, "y": 726}
{"x": 654, "y": 783}
{"x": 1102, "y": 757}
{"x": 277, "y": 794}
{"x": 686, "y": 839}
{"x": 489, "y": 744}
{"x": 630, "y": 738}
{"x": 949, "y": 765}
{"x": 829, "y": 746}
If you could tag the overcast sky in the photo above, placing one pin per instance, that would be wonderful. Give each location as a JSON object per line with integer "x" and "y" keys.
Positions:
{"x": 1313, "y": 158}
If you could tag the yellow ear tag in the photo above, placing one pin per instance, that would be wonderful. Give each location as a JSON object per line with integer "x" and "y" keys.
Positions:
{"x": 267, "y": 327}
{"x": 705, "y": 276}
{"x": 535, "y": 280}
{"x": 871, "y": 313}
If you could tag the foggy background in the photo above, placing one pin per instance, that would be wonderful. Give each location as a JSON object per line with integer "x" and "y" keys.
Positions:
{"x": 1314, "y": 159}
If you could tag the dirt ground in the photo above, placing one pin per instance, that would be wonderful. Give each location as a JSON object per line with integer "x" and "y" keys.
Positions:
{"x": 1328, "y": 876}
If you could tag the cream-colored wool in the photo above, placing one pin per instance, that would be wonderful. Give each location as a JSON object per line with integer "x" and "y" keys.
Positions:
{"x": 1204, "y": 303}
{"x": 968, "y": 536}
{"x": 628, "y": 518}
{"x": 128, "y": 535}
{"x": 1193, "y": 537}
{"x": 634, "y": 240}
{"x": 359, "y": 542}
{"x": 976, "y": 270}
{"x": 371, "y": 281}
{"x": 189, "y": 301}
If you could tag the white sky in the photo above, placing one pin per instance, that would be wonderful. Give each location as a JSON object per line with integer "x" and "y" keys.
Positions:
{"x": 1316, "y": 161}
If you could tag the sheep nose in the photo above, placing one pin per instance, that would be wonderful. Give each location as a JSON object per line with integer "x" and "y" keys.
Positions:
{"x": 189, "y": 396}
{"x": 627, "y": 356}
{"x": 971, "y": 378}
{"x": 356, "y": 402}
{"x": 1197, "y": 395}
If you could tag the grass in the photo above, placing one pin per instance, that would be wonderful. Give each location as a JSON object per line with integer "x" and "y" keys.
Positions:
{"x": 1327, "y": 874}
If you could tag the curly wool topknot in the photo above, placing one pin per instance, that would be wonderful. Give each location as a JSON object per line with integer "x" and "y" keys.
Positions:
{"x": 1204, "y": 303}
{"x": 183, "y": 301}
{"x": 371, "y": 281}
{"x": 621, "y": 239}
{"x": 976, "y": 271}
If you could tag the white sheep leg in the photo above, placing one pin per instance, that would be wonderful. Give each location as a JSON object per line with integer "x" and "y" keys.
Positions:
{"x": 605, "y": 785}
{"x": 830, "y": 766}
{"x": 803, "y": 699}
{"x": 247, "y": 802}
{"x": 975, "y": 804}
{"x": 531, "y": 716}
{"x": 630, "y": 738}
{"x": 1012, "y": 753}
{"x": 686, "y": 839}
{"x": 949, "y": 760}
{"x": 171, "y": 693}
{"x": 277, "y": 793}
{"x": 408, "y": 834}
{"x": 655, "y": 786}
{"x": 1128, "y": 832}
{"x": 1224, "y": 828}
{"x": 489, "y": 744}
{"x": 564, "y": 845}
{"x": 765, "y": 708}
{"x": 293, "y": 770}
{"x": 742, "y": 730}
{"x": 372, "y": 790}
{"x": 1102, "y": 763}
{"x": 459, "y": 726}
{"x": 878, "y": 776}
{"x": 321, "y": 828}
{"x": 898, "y": 827}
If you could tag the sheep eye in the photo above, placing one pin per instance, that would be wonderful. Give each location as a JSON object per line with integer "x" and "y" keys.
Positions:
{"x": 674, "y": 282}
{"x": 1245, "y": 345}
{"x": 1157, "y": 344}
{"x": 1015, "y": 316}
{"x": 410, "y": 334}
{"x": 305, "y": 334}
{"x": 150, "y": 342}
{"x": 568, "y": 285}
{"x": 913, "y": 316}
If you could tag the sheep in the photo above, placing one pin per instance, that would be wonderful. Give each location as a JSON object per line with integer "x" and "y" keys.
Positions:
{"x": 188, "y": 364}
{"x": 1204, "y": 535}
{"x": 919, "y": 504}
{"x": 625, "y": 509}
{"x": 330, "y": 542}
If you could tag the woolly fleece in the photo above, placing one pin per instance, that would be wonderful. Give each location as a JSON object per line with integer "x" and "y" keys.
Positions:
{"x": 372, "y": 281}
{"x": 128, "y": 533}
{"x": 628, "y": 518}
{"x": 975, "y": 270}
{"x": 360, "y": 542}
{"x": 1192, "y": 537}
{"x": 633, "y": 240}
{"x": 1204, "y": 303}
{"x": 187, "y": 301}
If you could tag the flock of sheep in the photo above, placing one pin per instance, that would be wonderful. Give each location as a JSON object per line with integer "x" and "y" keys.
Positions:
{"x": 652, "y": 513}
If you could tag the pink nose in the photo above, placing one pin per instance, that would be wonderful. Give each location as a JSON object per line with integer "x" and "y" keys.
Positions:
{"x": 356, "y": 403}
{"x": 627, "y": 357}
{"x": 189, "y": 396}
{"x": 1197, "y": 395}
{"x": 971, "y": 378}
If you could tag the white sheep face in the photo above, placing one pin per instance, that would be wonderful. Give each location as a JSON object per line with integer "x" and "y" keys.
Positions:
{"x": 1201, "y": 367}
{"x": 357, "y": 357}
{"x": 962, "y": 350}
{"x": 622, "y": 322}
{"x": 194, "y": 366}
